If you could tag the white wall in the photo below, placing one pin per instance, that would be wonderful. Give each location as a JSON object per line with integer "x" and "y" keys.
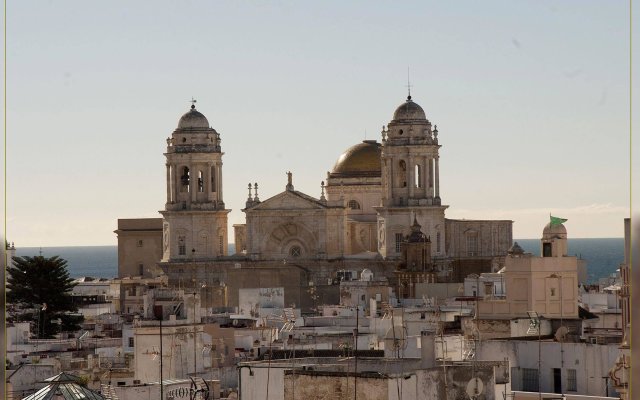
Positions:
{"x": 590, "y": 361}
{"x": 406, "y": 388}
{"x": 255, "y": 387}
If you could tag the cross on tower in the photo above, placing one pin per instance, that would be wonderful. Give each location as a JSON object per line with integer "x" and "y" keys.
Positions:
{"x": 193, "y": 102}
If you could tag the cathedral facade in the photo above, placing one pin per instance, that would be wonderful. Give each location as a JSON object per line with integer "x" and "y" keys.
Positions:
{"x": 373, "y": 199}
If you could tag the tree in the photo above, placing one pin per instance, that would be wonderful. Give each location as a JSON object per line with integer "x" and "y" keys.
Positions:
{"x": 39, "y": 290}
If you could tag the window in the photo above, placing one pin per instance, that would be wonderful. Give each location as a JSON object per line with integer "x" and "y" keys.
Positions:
{"x": 488, "y": 288}
{"x": 182, "y": 246}
{"x": 572, "y": 382}
{"x": 398, "y": 242}
{"x": 418, "y": 176}
{"x": 354, "y": 205}
{"x": 184, "y": 179}
{"x": 438, "y": 242}
{"x": 140, "y": 269}
{"x": 295, "y": 251}
{"x": 140, "y": 243}
{"x": 200, "y": 182}
{"x": 221, "y": 244}
{"x": 530, "y": 379}
{"x": 403, "y": 173}
{"x": 556, "y": 374}
{"x": 472, "y": 244}
{"x": 131, "y": 341}
{"x": 553, "y": 292}
{"x": 213, "y": 179}
{"x": 546, "y": 249}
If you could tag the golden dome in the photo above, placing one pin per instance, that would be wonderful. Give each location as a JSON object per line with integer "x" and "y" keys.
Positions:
{"x": 360, "y": 160}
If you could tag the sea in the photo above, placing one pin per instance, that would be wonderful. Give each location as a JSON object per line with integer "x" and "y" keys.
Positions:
{"x": 603, "y": 256}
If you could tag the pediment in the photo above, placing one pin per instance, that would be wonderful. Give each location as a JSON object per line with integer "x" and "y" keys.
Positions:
{"x": 289, "y": 200}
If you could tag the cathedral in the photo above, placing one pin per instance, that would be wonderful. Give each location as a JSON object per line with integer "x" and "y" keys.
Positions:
{"x": 380, "y": 208}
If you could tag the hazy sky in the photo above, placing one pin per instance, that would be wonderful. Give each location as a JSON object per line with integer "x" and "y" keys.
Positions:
{"x": 531, "y": 99}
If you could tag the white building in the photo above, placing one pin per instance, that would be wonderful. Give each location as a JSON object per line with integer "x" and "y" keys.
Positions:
{"x": 572, "y": 368}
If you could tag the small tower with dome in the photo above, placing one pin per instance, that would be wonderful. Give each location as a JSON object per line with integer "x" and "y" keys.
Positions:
{"x": 195, "y": 217}
{"x": 554, "y": 239}
{"x": 416, "y": 266}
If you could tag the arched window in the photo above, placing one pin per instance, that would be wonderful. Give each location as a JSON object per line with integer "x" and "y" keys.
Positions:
{"x": 204, "y": 242}
{"x": 200, "y": 182}
{"x": 354, "y": 205}
{"x": 472, "y": 243}
{"x": 401, "y": 175}
{"x": 184, "y": 180}
{"x": 418, "y": 176}
{"x": 398, "y": 243}
{"x": 182, "y": 246}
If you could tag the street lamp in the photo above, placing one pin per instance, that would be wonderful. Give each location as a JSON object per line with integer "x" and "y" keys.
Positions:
{"x": 158, "y": 313}
{"x": 195, "y": 335}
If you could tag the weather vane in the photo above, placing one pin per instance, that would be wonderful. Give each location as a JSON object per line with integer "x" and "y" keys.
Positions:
{"x": 408, "y": 84}
{"x": 193, "y": 102}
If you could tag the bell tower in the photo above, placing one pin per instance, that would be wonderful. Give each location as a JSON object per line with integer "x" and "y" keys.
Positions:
{"x": 195, "y": 218}
{"x": 410, "y": 181}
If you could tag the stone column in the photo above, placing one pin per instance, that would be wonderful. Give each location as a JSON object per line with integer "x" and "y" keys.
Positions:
{"x": 437, "y": 177}
{"x": 208, "y": 187}
{"x": 175, "y": 182}
{"x": 220, "y": 182}
{"x": 425, "y": 177}
{"x": 168, "y": 183}
{"x": 390, "y": 181}
{"x": 431, "y": 173}
{"x": 193, "y": 182}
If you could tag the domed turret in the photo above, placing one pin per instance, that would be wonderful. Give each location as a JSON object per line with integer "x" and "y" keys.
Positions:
{"x": 416, "y": 235}
{"x": 554, "y": 239}
{"x": 409, "y": 111}
{"x": 515, "y": 250}
{"x": 554, "y": 231}
{"x": 193, "y": 119}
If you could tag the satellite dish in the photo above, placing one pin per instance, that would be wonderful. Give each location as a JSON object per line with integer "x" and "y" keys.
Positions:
{"x": 561, "y": 334}
{"x": 475, "y": 388}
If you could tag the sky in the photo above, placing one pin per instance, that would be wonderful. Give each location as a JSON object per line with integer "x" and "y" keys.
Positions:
{"x": 531, "y": 99}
